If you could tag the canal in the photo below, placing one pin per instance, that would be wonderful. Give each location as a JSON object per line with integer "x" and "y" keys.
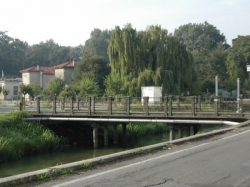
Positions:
{"x": 81, "y": 153}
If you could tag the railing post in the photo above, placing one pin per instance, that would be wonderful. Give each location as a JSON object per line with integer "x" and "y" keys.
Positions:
{"x": 89, "y": 106}
{"x": 241, "y": 106}
{"x": 161, "y": 102}
{"x": 193, "y": 105}
{"x": 77, "y": 103}
{"x": 165, "y": 106}
{"x": 128, "y": 105}
{"x": 199, "y": 103}
{"x": 178, "y": 103}
{"x": 170, "y": 106}
{"x": 216, "y": 105}
{"x": 93, "y": 105}
{"x": 145, "y": 105}
{"x": 71, "y": 105}
{"x": 38, "y": 104}
{"x": 54, "y": 104}
{"x": 109, "y": 105}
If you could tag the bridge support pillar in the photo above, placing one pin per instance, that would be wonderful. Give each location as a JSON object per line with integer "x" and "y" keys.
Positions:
{"x": 106, "y": 136}
{"x": 115, "y": 134}
{"x": 95, "y": 135}
{"x": 180, "y": 131}
{"x": 195, "y": 128}
{"x": 171, "y": 132}
{"x": 124, "y": 133}
{"x": 188, "y": 130}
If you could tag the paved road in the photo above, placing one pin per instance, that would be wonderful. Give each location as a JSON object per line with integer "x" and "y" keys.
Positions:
{"x": 218, "y": 163}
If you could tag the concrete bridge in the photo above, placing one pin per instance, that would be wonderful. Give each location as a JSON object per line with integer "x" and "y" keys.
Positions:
{"x": 182, "y": 113}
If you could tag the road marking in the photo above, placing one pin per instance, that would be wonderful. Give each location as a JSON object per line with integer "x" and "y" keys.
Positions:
{"x": 141, "y": 162}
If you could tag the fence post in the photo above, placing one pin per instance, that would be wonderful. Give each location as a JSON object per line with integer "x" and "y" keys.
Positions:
{"x": 241, "y": 106}
{"x": 93, "y": 105}
{"x": 71, "y": 105}
{"x": 161, "y": 102}
{"x": 178, "y": 103}
{"x": 128, "y": 105}
{"x": 54, "y": 104}
{"x": 193, "y": 105}
{"x": 145, "y": 105}
{"x": 38, "y": 104}
{"x": 89, "y": 106}
{"x": 216, "y": 105}
{"x": 77, "y": 103}
{"x": 109, "y": 105}
{"x": 165, "y": 106}
{"x": 170, "y": 106}
{"x": 199, "y": 103}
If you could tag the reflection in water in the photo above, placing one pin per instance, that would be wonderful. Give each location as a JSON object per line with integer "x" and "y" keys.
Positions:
{"x": 76, "y": 154}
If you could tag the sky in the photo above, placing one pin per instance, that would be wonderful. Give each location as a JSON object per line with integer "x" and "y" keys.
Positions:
{"x": 70, "y": 22}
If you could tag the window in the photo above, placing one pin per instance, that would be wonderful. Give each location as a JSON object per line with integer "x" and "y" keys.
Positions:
{"x": 15, "y": 90}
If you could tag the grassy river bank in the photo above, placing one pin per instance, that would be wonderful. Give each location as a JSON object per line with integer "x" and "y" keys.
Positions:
{"x": 19, "y": 139}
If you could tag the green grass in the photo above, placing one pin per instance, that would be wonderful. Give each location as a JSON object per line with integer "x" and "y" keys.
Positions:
{"x": 20, "y": 138}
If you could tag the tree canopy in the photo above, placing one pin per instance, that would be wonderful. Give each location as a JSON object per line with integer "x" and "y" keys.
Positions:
{"x": 149, "y": 58}
{"x": 239, "y": 57}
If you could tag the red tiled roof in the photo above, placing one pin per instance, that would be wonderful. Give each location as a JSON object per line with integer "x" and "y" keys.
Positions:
{"x": 64, "y": 65}
{"x": 44, "y": 69}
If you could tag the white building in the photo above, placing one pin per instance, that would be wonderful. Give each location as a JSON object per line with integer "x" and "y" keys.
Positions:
{"x": 65, "y": 70}
{"x": 12, "y": 85}
{"x": 42, "y": 75}
{"x": 36, "y": 74}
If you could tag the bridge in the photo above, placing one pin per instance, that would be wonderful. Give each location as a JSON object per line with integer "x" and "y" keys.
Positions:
{"x": 176, "y": 111}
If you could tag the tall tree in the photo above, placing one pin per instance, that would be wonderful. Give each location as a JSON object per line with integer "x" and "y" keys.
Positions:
{"x": 149, "y": 58}
{"x": 92, "y": 67}
{"x": 209, "y": 49}
{"x": 238, "y": 57}
{"x": 97, "y": 44}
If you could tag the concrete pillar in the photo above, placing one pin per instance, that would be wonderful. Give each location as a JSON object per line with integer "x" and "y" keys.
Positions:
{"x": 180, "y": 131}
{"x": 95, "y": 135}
{"x": 188, "y": 130}
{"x": 115, "y": 134}
{"x": 106, "y": 135}
{"x": 171, "y": 132}
{"x": 124, "y": 133}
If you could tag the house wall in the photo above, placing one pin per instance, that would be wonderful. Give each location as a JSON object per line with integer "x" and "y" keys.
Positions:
{"x": 9, "y": 85}
{"x": 46, "y": 79}
{"x": 65, "y": 74}
{"x": 68, "y": 74}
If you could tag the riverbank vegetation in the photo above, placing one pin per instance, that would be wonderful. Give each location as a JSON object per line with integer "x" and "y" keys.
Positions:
{"x": 20, "y": 138}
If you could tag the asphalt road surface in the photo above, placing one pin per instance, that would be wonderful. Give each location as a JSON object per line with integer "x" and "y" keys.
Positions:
{"x": 218, "y": 162}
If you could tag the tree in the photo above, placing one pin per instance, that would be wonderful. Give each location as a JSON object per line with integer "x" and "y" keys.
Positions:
{"x": 203, "y": 36}
{"x": 149, "y": 58}
{"x": 5, "y": 93}
{"x": 97, "y": 44}
{"x": 56, "y": 86}
{"x": 86, "y": 87}
{"x": 238, "y": 58}
{"x": 26, "y": 89}
{"x": 36, "y": 89}
{"x": 92, "y": 67}
{"x": 209, "y": 50}
{"x": 1, "y": 89}
{"x": 114, "y": 86}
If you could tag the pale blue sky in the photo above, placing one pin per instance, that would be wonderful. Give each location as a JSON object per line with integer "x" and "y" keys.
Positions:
{"x": 70, "y": 22}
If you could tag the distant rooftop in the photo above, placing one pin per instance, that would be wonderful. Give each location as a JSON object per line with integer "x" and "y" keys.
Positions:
{"x": 65, "y": 65}
{"x": 44, "y": 69}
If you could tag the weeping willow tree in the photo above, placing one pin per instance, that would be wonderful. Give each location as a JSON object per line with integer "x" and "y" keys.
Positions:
{"x": 148, "y": 58}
